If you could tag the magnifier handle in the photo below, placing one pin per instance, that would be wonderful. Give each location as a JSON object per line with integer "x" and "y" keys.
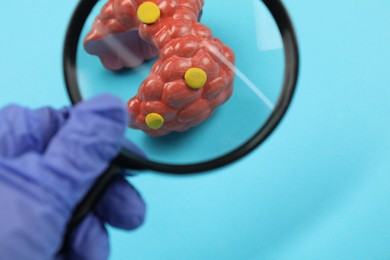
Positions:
{"x": 100, "y": 186}
{"x": 90, "y": 200}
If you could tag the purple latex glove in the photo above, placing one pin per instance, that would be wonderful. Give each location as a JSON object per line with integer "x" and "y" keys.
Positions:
{"x": 48, "y": 161}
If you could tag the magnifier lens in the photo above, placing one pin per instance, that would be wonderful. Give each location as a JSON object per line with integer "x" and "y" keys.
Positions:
{"x": 247, "y": 28}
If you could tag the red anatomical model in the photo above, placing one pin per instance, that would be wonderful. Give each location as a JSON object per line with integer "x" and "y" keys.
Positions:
{"x": 194, "y": 72}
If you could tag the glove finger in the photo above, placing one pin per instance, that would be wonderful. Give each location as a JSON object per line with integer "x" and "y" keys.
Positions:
{"x": 133, "y": 148}
{"x": 84, "y": 146}
{"x": 88, "y": 241}
{"x": 24, "y": 130}
{"x": 121, "y": 206}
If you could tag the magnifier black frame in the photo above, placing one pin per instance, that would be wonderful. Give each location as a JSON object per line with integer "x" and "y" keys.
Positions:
{"x": 130, "y": 161}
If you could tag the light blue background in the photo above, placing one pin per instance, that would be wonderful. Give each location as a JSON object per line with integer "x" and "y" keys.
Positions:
{"x": 319, "y": 188}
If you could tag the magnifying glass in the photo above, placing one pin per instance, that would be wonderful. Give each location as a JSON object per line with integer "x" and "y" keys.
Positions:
{"x": 206, "y": 81}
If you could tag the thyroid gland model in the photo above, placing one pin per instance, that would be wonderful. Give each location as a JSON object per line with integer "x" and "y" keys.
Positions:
{"x": 193, "y": 74}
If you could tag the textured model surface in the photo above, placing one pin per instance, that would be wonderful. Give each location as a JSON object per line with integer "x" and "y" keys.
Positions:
{"x": 194, "y": 72}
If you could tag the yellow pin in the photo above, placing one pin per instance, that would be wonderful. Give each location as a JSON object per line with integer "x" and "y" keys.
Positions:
{"x": 148, "y": 12}
{"x": 154, "y": 121}
{"x": 195, "y": 78}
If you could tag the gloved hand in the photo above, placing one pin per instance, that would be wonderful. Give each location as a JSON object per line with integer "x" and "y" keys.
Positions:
{"x": 48, "y": 161}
